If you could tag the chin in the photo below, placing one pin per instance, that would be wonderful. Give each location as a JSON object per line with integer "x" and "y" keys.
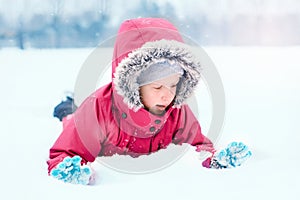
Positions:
{"x": 157, "y": 112}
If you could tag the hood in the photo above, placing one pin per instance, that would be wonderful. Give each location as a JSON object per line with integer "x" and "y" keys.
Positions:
{"x": 145, "y": 41}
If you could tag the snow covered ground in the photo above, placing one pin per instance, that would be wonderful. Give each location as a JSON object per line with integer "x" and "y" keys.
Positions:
{"x": 262, "y": 87}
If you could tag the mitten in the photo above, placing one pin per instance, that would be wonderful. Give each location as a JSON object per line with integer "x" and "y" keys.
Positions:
{"x": 70, "y": 170}
{"x": 232, "y": 156}
{"x": 64, "y": 108}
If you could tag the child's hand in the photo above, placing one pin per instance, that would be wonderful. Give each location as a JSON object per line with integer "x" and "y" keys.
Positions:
{"x": 232, "y": 156}
{"x": 71, "y": 171}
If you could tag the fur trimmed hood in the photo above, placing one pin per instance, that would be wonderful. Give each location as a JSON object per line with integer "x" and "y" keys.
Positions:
{"x": 149, "y": 47}
{"x": 130, "y": 68}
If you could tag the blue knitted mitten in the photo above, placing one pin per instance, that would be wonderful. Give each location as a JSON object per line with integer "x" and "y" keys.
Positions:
{"x": 70, "y": 170}
{"x": 232, "y": 156}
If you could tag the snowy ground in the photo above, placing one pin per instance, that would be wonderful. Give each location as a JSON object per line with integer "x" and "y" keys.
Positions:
{"x": 262, "y": 87}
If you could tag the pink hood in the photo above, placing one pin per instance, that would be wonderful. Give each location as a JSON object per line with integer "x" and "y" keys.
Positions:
{"x": 133, "y": 34}
{"x": 142, "y": 42}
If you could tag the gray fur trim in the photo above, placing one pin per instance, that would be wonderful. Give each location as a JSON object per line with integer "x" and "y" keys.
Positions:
{"x": 129, "y": 69}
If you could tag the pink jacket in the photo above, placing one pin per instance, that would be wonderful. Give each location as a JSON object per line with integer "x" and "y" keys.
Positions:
{"x": 113, "y": 120}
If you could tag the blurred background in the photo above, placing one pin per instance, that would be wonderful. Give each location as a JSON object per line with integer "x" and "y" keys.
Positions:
{"x": 85, "y": 23}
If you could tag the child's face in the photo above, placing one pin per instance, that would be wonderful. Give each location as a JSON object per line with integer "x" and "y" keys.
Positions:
{"x": 158, "y": 95}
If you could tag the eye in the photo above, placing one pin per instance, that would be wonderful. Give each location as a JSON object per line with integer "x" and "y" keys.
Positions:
{"x": 157, "y": 87}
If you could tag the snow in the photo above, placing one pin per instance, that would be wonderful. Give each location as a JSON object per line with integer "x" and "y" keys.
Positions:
{"x": 262, "y": 110}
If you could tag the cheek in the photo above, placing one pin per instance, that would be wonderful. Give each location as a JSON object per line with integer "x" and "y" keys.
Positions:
{"x": 148, "y": 93}
{"x": 149, "y": 98}
{"x": 174, "y": 90}
{"x": 151, "y": 94}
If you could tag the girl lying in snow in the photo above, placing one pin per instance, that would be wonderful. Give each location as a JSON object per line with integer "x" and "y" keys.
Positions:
{"x": 142, "y": 110}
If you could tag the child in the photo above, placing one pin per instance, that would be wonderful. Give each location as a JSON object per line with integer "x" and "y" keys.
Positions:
{"x": 142, "y": 110}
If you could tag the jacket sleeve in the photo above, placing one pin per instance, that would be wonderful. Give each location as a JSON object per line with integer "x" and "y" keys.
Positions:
{"x": 81, "y": 135}
{"x": 189, "y": 131}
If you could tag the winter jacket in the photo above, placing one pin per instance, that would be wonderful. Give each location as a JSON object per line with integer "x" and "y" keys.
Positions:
{"x": 113, "y": 119}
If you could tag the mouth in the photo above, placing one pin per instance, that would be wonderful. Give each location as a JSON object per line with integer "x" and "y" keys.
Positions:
{"x": 158, "y": 109}
{"x": 161, "y": 107}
